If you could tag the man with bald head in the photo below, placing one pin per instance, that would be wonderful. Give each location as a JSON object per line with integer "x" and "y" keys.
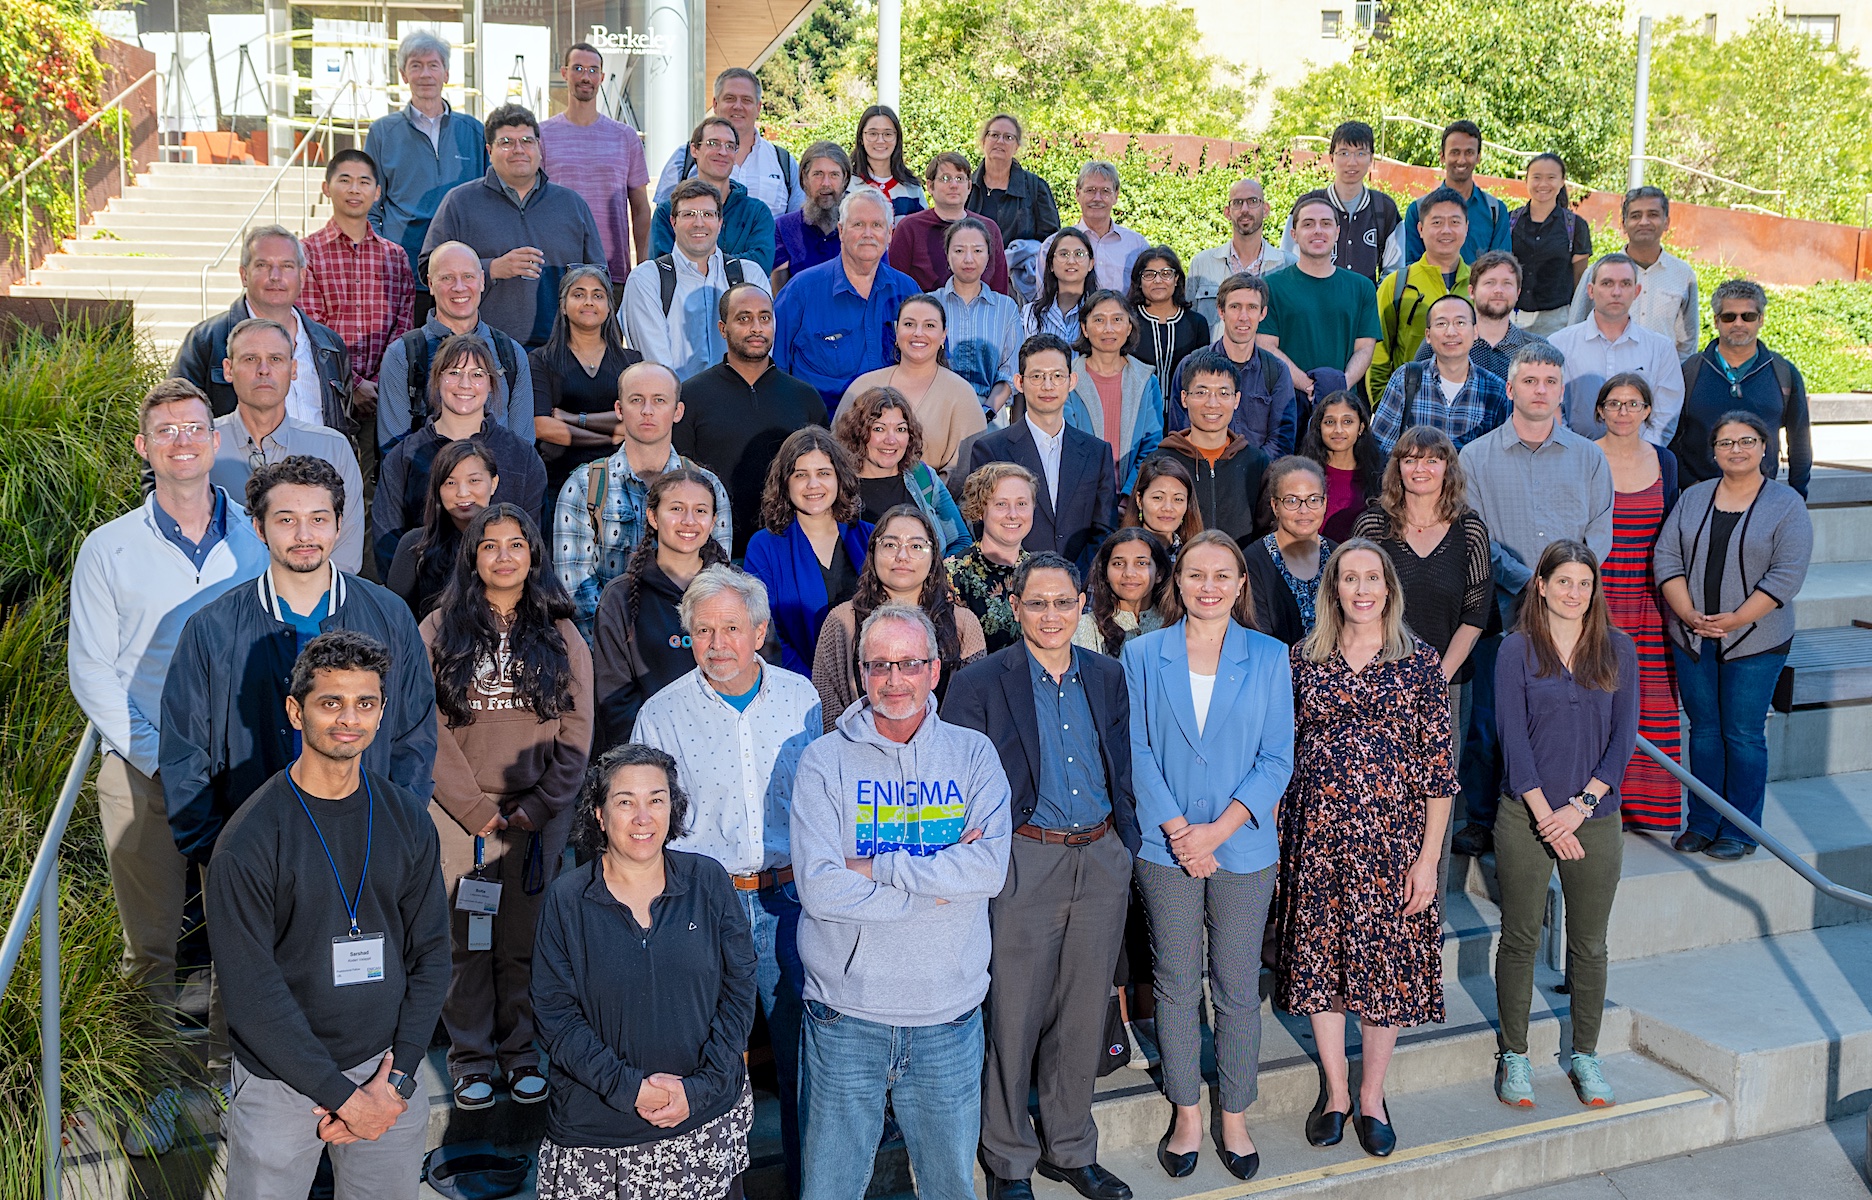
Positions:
{"x": 457, "y": 282}
{"x": 1246, "y": 251}
{"x": 835, "y": 321}
{"x": 601, "y": 509}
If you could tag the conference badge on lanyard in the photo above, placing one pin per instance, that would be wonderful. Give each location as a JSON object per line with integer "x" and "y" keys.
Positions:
{"x": 357, "y": 957}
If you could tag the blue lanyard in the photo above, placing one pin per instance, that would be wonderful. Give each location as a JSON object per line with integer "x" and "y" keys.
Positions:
{"x": 370, "y": 804}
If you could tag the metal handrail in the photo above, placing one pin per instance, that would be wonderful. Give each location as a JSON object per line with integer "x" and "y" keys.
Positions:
{"x": 1735, "y": 183}
{"x": 41, "y": 896}
{"x": 327, "y": 119}
{"x": 1774, "y": 845}
{"x": 123, "y": 183}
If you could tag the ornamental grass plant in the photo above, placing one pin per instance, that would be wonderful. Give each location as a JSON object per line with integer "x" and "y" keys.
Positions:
{"x": 67, "y": 416}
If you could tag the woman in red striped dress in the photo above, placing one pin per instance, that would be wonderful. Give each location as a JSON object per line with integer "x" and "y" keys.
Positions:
{"x": 1644, "y": 485}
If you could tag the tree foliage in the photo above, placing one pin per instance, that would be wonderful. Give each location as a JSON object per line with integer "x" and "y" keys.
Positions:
{"x": 1534, "y": 74}
{"x": 1770, "y": 107}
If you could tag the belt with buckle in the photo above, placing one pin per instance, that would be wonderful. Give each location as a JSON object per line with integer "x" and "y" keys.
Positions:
{"x": 1075, "y": 837}
{"x": 763, "y": 881}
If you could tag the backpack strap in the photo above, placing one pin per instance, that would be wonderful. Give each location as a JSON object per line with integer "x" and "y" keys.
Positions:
{"x": 1400, "y": 279}
{"x": 734, "y": 271}
{"x": 1784, "y": 375}
{"x": 666, "y": 277}
{"x": 416, "y": 352}
{"x": 597, "y": 483}
{"x": 786, "y": 170}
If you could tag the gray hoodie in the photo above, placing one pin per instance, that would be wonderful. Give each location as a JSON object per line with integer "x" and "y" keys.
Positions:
{"x": 909, "y": 946}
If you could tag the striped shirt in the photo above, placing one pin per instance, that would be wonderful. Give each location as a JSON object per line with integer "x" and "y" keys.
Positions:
{"x": 362, "y": 291}
{"x": 984, "y": 337}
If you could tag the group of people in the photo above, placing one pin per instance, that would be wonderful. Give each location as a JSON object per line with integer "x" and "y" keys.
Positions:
{"x": 934, "y": 625}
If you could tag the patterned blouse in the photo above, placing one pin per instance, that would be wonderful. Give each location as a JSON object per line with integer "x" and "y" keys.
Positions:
{"x": 982, "y": 584}
{"x": 1305, "y": 591}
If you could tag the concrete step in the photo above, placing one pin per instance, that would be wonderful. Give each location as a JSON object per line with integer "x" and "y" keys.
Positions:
{"x": 1844, "y": 484}
{"x": 1670, "y": 902}
{"x": 213, "y": 203}
{"x": 200, "y": 247}
{"x": 140, "y": 274}
{"x": 1781, "y": 1027}
{"x": 1842, "y": 533}
{"x": 164, "y": 226}
{"x": 1820, "y": 741}
{"x": 1455, "y": 1142}
{"x": 1835, "y": 593}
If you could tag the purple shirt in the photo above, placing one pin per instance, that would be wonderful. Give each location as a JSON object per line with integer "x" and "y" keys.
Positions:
{"x": 601, "y": 162}
{"x": 798, "y": 245}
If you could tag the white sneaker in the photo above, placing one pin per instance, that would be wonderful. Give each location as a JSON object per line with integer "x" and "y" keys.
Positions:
{"x": 153, "y": 1131}
{"x": 1143, "y": 1051}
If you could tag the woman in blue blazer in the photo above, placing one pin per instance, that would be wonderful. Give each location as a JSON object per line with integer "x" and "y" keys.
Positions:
{"x": 811, "y": 544}
{"x": 1212, "y": 736}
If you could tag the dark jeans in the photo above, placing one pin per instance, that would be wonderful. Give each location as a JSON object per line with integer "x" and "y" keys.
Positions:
{"x": 1727, "y": 703}
{"x": 1481, "y": 752}
{"x": 773, "y": 917}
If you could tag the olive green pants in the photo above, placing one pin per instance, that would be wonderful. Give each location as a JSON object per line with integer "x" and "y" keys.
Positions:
{"x": 1523, "y": 865}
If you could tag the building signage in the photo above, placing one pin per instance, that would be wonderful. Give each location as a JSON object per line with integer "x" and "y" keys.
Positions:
{"x": 629, "y": 41}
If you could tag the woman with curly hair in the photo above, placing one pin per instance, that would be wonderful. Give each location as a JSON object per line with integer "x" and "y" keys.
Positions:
{"x": 999, "y": 500}
{"x": 884, "y": 437}
{"x": 644, "y": 1033}
{"x": 514, "y": 702}
{"x": 1128, "y": 583}
{"x": 901, "y": 567}
{"x": 639, "y": 645}
{"x": 811, "y": 544}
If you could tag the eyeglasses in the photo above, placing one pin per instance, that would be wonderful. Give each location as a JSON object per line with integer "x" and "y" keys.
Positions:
{"x": 586, "y": 70}
{"x": 1070, "y": 256}
{"x": 697, "y": 214}
{"x": 164, "y": 434}
{"x": 527, "y": 141}
{"x": 1741, "y": 443}
{"x": 1296, "y": 503}
{"x": 1625, "y": 406}
{"x": 1158, "y": 275}
{"x": 717, "y": 144}
{"x": 952, "y": 179}
{"x": 1047, "y": 377}
{"x": 879, "y": 668}
{"x": 1730, "y": 318}
{"x": 472, "y": 375}
{"x": 891, "y": 547}
{"x": 998, "y": 135}
{"x": 1059, "y": 604}
{"x": 1246, "y": 202}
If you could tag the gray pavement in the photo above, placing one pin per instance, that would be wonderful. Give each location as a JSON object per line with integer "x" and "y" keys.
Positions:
{"x": 1823, "y": 1162}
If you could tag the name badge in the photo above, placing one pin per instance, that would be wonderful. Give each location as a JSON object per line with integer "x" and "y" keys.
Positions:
{"x": 357, "y": 960}
{"x": 480, "y": 931}
{"x": 477, "y": 895}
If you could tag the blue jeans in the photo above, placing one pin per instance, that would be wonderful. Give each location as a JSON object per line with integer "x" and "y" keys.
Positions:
{"x": 1481, "y": 750}
{"x": 773, "y": 916}
{"x": 932, "y": 1076}
{"x": 1727, "y": 703}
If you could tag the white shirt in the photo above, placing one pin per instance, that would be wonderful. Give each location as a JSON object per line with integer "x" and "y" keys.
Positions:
{"x": 303, "y": 402}
{"x": 1210, "y": 267}
{"x": 1049, "y": 445}
{"x": 688, "y": 340}
{"x": 1202, "y": 690}
{"x": 737, "y": 767}
{"x": 1666, "y": 303}
{"x": 1592, "y": 358}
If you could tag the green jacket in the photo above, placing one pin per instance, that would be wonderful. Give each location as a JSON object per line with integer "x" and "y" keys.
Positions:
{"x": 1406, "y": 317}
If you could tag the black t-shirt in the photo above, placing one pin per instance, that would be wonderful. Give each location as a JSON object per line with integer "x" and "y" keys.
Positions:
{"x": 882, "y": 495}
{"x": 841, "y": 578}
{"x": 1546, "y": 257}
{"x": 1722, "y": 528}
{"x": 735, "y": 430}
{"x": 561, "y": 381}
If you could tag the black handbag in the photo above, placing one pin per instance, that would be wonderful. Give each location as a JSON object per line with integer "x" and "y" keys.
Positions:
{"x": 1116, "y": 1050}
{"x": 474, "y": 1171}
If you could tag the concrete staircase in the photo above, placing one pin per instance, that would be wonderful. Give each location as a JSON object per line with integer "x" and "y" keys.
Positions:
{"x": 149, "y": 246}
{"x": 1825, "y": 726}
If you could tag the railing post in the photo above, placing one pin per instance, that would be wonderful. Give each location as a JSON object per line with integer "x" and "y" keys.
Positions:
{"x": 77, "y": 201}
{"x": 49, "y": 1025}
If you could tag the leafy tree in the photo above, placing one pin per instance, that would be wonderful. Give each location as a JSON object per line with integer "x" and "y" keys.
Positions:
{"x": 1535, "y": 74}
{"x": 833, "y": 44}
{"x": 1770, "y": 107}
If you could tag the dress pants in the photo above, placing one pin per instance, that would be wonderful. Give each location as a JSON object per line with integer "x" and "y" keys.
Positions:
{"x": 489, "y": 1011}
{"x": 147, "y": 873}
{"x": 1057, "y": 926}
{"x": 273, "y": 1147}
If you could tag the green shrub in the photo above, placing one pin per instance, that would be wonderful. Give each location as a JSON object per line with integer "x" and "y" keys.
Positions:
{"x": 67, "y": 413}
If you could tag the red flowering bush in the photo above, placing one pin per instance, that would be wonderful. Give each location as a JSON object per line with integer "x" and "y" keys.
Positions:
{"x": 50, "y": 80}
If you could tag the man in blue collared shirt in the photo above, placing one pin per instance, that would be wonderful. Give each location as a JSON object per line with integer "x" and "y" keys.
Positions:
{"x": 423, "y": 151}
{"x": 834, "y": 322}
{"x": 1059, "y": 717}
{"x": 1488, "y": 217}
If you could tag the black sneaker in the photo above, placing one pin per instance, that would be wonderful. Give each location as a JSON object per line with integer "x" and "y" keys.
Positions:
{"x": 1473, "y": 841}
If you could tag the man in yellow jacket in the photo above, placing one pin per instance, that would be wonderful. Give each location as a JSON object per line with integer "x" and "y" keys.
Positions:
{"x": 1405, "y": 296}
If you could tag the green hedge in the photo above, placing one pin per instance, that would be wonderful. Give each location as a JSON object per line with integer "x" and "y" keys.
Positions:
{"x": 67, "y": 415}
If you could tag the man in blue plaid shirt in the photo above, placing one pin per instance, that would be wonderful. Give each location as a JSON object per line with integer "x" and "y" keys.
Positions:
{"x": 1449, "y": 392}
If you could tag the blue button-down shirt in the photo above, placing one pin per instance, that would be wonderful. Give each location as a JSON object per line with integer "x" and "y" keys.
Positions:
{"x": 984, "y": 337}
{"x": 828, "y": 335}
{"x": 1072, "y": 772}
{"x": 216, "y": 532}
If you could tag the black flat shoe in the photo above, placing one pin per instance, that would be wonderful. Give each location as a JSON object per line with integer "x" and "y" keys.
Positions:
{"x": 1091, "y": 1181}
{"x": 1377, "y": 1137}
{"x": 1241, "y": 1166}
{"x": 1691, "y": 842}
{"x": 1326, "y": 1128}
{"x": 1176, "y": 1166}
{"x": 1728, "y": 849}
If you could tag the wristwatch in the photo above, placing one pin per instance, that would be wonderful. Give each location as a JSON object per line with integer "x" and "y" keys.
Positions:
{"x": 581, "y": 420}
{"x": 1585, "y": 801}
{"x": 403, "y": 1082}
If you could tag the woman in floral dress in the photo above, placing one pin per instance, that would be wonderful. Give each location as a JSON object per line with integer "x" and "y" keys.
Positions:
{"x": 1357, "y": 918}
{"x": 998, "y": 499}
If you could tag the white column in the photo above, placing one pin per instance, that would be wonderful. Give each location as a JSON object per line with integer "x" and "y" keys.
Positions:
{"x": 890, "y": 45}
{"x": 667, "y": 119}
{"x": 1641, "y": 103}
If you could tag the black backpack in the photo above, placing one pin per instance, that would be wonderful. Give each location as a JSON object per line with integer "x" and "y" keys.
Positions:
{"x": 417, "y": 352}
{"x": 666, "y": 276}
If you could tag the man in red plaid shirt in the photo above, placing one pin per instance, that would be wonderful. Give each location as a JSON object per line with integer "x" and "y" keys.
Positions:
{"x": 358, "y": 282}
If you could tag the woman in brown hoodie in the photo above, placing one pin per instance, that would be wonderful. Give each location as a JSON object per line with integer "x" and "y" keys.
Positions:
{"x": 514, "y": 713}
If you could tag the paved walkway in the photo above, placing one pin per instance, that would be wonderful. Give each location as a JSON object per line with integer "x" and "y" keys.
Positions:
{"x": 1820, "y": 1163}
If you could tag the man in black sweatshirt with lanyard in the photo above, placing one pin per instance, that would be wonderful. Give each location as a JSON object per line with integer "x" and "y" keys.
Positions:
{"x": 329, "y": 926}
